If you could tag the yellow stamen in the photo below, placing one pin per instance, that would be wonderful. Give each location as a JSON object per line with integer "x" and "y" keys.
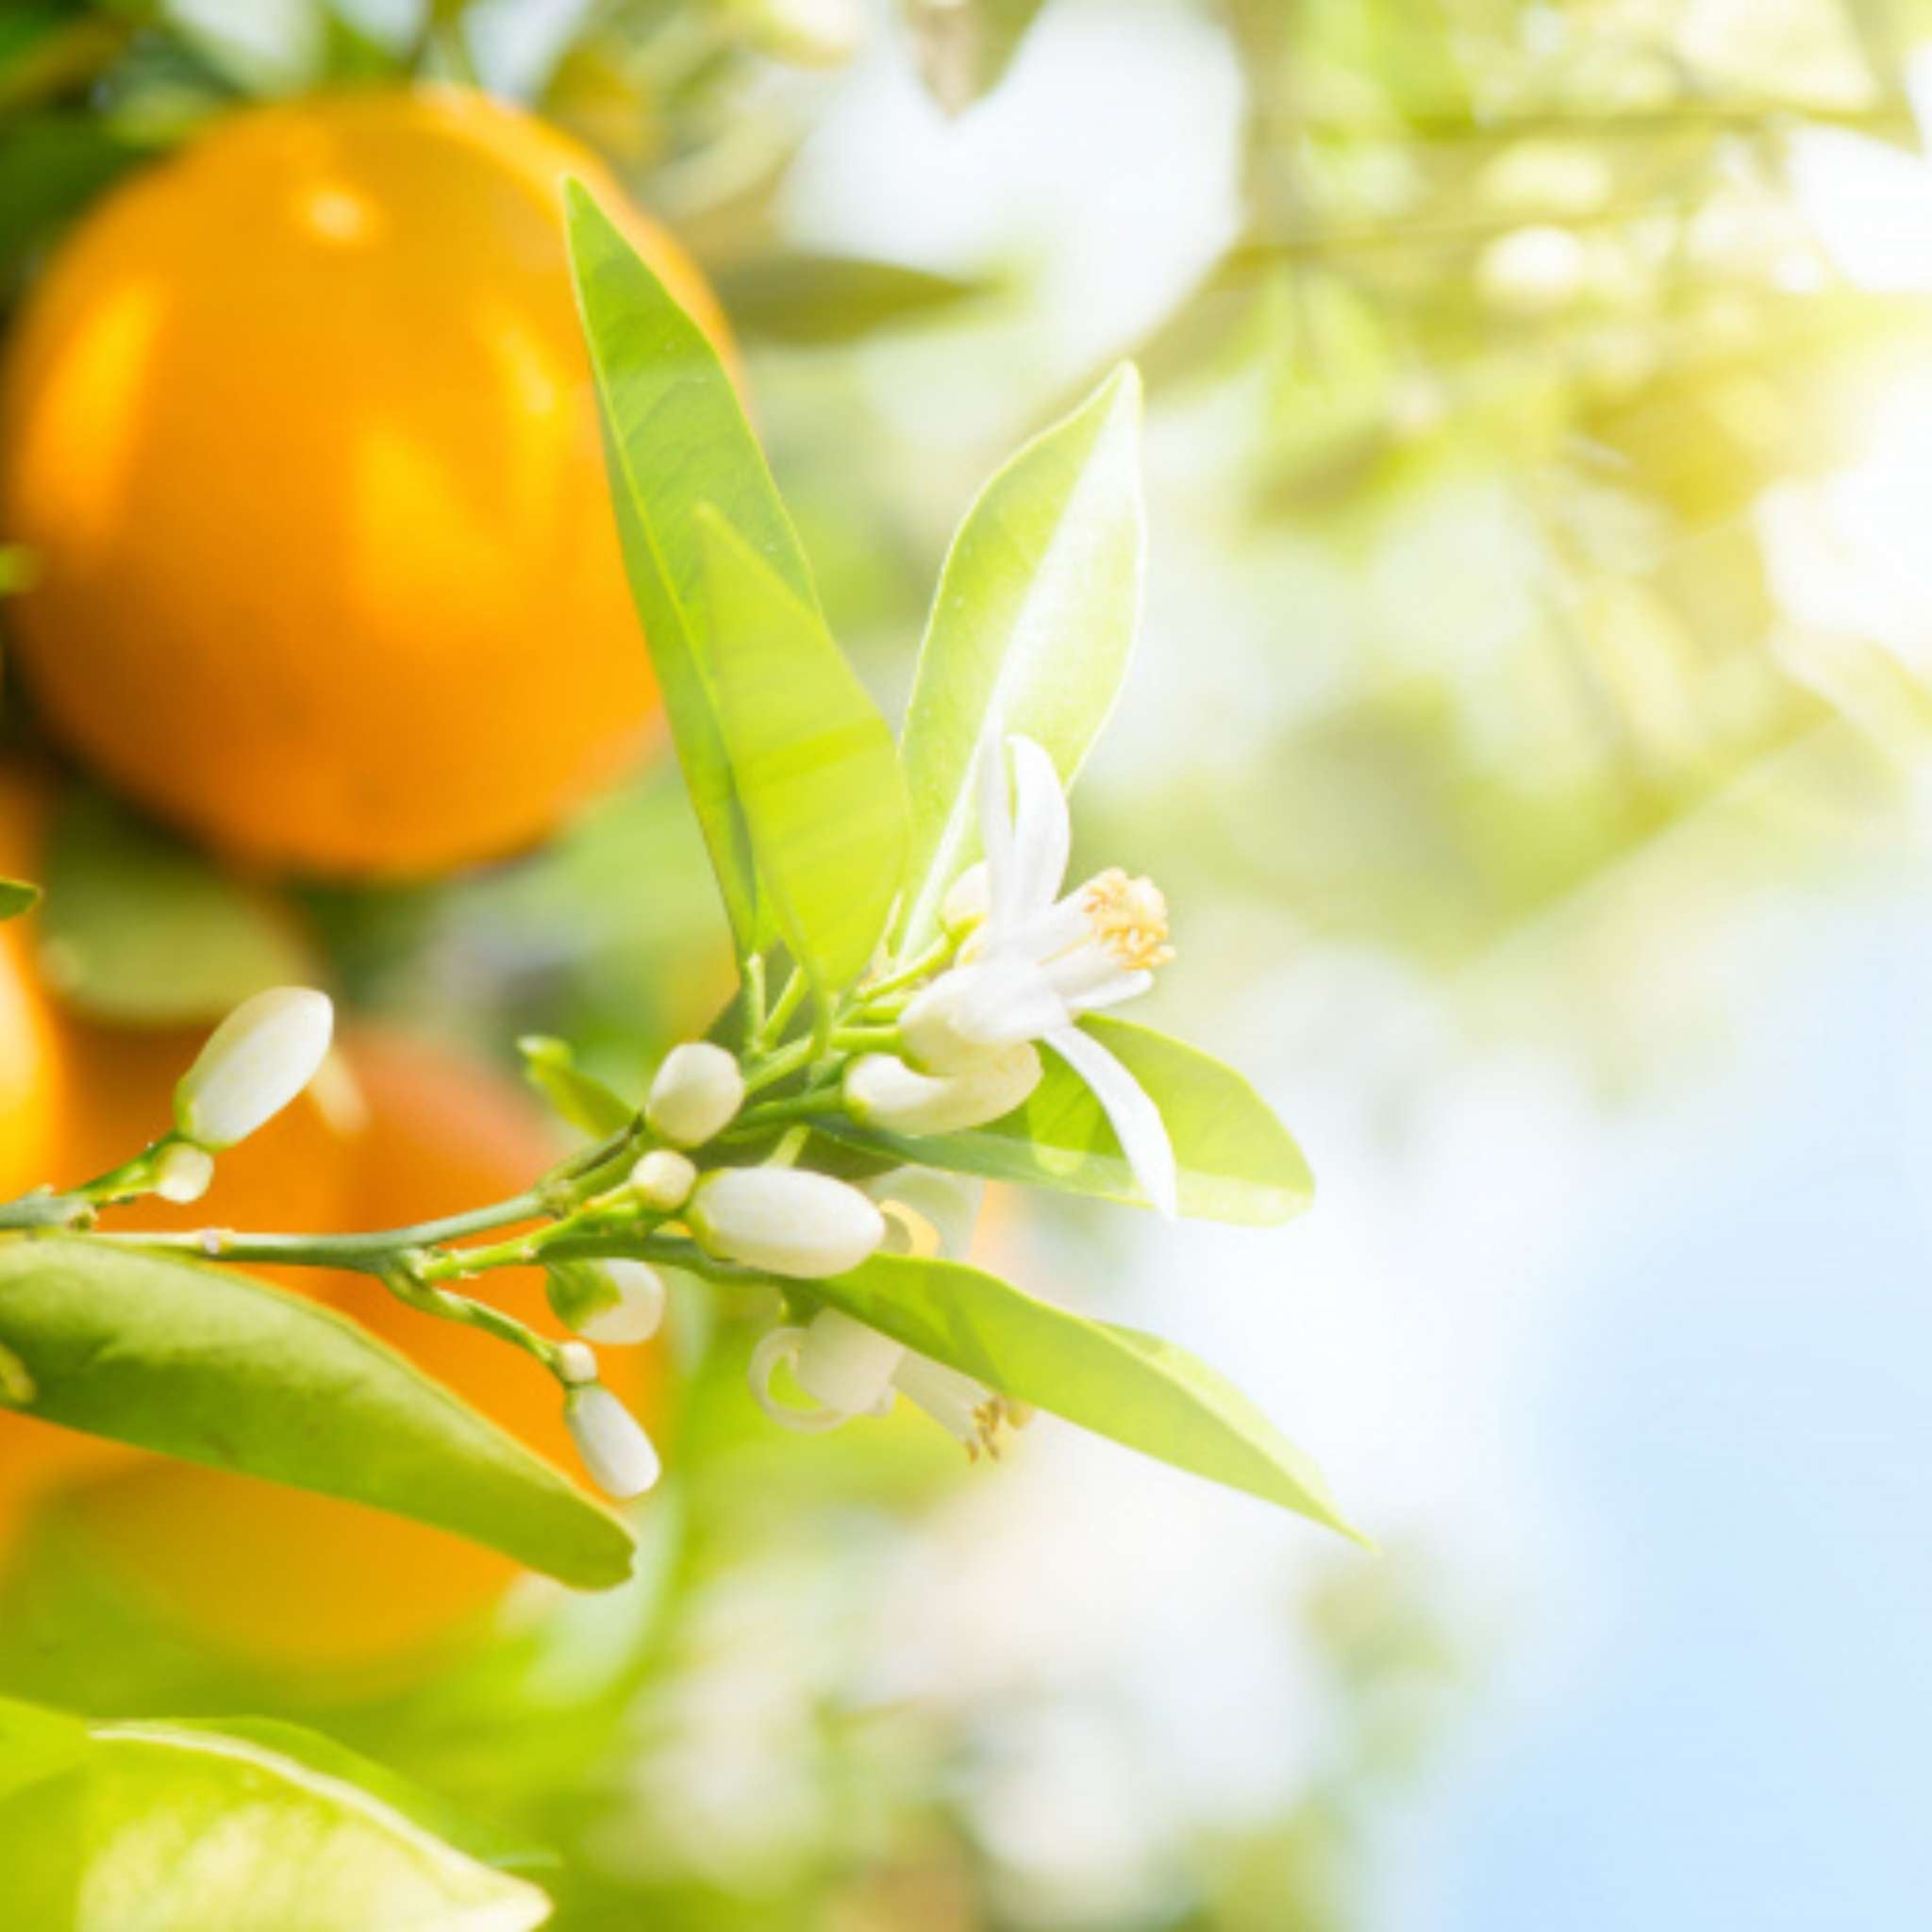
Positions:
{"x": 1129, "y": 919}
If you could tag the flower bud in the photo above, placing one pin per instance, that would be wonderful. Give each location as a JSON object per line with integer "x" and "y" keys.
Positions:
{"x": 784, "y": 1220}
{"x": 183, "y": 1172}
{"x": 611, "y": 1440}
{"x": 255, "y": 1063}
{"x": 663, "y": 1179}
{"x": 881, "y": 1090}
{"x": 697, "y": 1093}
{"x": 575, "y": 1364}
{"x": 614, "y": 1301}
{"x": 967, "y": 901}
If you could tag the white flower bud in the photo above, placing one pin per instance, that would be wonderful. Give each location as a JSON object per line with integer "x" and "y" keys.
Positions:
{"x": 255, "y": 1063}
{"x": 784, "y": 1220}
{"x": 614, "y": 1301}
{"x": 575, "y": 1364}
{"x": 968, "y": 902}
{"x": 846, "y": 1366}
{"x": 183, "y": 1172}
{"x": 881, "y": 1090}
{"x": 663, "y": 1179}
{"x": 611, "y": 1440}
{"x": 696, "y": 1094}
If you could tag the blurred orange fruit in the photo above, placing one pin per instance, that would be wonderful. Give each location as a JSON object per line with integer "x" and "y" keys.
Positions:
{"x": 300, "y": 428}
{"x": 275, "y": 1574}
{"x": 285, "y": 1577}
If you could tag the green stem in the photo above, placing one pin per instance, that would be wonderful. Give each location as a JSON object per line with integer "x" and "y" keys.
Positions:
{"x": 786, "y": 1005}
{"x": 930, "y": 961}
{"x": 756, "y": 1024}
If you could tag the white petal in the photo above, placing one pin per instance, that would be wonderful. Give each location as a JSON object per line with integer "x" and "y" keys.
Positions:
{"x": 996, "y": 828}
{"x": 952, "y": 1400}
{"x": 949, "y": 1202}
{"x": 1005, "y": 1002}
{"x": 1134, "y": 1117}
{"x": 773, "y": 1346}
{"x": 1091, "y": 976}
{"x": 843, "y": 1364}
{"x": 1042, "y": 832}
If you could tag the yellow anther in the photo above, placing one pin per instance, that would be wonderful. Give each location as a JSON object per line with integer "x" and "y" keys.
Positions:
{"x": 1129, "y": 918}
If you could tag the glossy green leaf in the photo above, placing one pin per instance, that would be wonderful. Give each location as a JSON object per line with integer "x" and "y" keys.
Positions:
{"x": 142, "y": 930}
{"x": 175, "y": 1827}
{"x": 1032, "y": 624}
{"x": 581, "y": 1098}
{"x": 675, "y": 437}
{"x": 1135, "y": 1389}
{"x": 214, "y": 1367}
{"x": 17, "y": 896}
{"x": 1237, "y": 1161}
{"x": 36, "y": 1744}
{"x": 813, "y": 760}
{"x": 436, "y": 1815}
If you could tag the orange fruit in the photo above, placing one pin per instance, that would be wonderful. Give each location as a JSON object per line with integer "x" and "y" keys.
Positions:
{"x": 282, "y": 1576}
{"x": 299, "y": 427}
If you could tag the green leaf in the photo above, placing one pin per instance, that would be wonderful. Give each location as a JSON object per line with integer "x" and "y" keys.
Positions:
{"x": 1033, "y": 623}
{"x": 36, "y": 1744}
{"x": 808, "y": 300}
{"x": 675, "y": 437}
{"x": 177, "y": 1827}
{"x": 1135, "y": 1389}
{"x": 436, "y": 1815}
{"x": 816, "y": 771}
{"x": 1237, "y": 1161}
{"x": 581, "y": 1098}
{"x": 142, "y": 930}
{"x": 216, "y": 1368}
{"x": 16, "y": 897}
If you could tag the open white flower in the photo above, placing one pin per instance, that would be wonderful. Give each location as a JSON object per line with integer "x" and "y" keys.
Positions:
{"x": 1042, "y": 958}
{"x": 848, "y": 1368}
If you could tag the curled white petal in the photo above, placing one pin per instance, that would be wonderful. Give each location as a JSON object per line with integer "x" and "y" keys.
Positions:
{"x": 696, "y": 1094}
{"x": 948, "y": 1203}
{"x": 255, "y": 1063}
{"x": 844, "y": 1364}
{"x": 1042, "y": 831}
{"x": 634, "y": 1310}
{"x": 773, "y": 1347}
{"x": 1134, "y": 1117}
{"x": 971, "y": 1010}
{"x": 881, "y": 1090}
{"x": 611, "y": 1440}
{"x": 786, "y": 1221}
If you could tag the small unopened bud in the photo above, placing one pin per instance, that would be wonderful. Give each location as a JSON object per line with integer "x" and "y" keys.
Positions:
{"x": 614, "y": 1301}
{"x": 968, "y": 902}
{"x": 696, "y": 1094}
{"x": 611, "y": 1440}
{"x": 255, "y": 1063}
{"x": 575, "y": 1364}
{"x": 183, "y": 1172}
{"x": 881, "y": 1090}
{"x": 784, "y": 1220}
{"x": 663, "y": 1179}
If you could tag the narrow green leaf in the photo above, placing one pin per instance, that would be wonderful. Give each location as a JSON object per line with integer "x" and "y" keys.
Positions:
{"x": 814, "y": 764}
{"x": 1237, "y": 1161}
{"x": 550, "y": 1066}
{"x": 1033, "y": 623}
{"x": 175, "y": 1827}
{"x": 17, "y": 896}
{"x": 214, "y": 1367}
{"x": 140, "y": 929}
{"x": 675, "y": 437}
{"x": 1135, "y": 1389}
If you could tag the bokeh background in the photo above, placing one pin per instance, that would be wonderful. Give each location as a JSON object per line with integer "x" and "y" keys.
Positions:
{"x": 1529, "y": 729}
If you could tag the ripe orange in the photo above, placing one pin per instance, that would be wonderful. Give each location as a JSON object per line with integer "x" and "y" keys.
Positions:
{"x": 299, "y": 427}
{"x": 282, "y": 1576}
